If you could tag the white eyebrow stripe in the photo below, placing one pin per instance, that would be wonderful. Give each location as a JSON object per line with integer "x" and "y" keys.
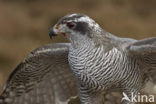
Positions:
{"x": 72, "y": 15}
{"x": 86, "y": 19}
{"x": 90, "y": 21}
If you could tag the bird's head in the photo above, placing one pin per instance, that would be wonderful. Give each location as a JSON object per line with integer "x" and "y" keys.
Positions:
{"x": 76, "y": 27}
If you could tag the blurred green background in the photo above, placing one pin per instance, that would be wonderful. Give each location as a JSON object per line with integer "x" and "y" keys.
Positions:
{"x": 25, "y": 24}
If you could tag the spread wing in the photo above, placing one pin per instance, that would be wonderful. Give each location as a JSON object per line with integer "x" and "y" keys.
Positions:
{"x": 44, "y": 77}
{"x": 145, "y": 50}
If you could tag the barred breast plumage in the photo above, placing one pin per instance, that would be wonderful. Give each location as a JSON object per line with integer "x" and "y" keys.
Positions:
{"x": 99, "y": 70}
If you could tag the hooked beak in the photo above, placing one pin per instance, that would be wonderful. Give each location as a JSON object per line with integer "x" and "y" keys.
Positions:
{"x": 53, "y": 32}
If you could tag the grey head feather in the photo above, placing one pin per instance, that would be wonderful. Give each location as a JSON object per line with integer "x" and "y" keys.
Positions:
{"x": 86, "y": 26}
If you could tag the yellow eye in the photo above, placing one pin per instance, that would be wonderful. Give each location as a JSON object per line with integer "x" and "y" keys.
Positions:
{"x": 70, "y": 25}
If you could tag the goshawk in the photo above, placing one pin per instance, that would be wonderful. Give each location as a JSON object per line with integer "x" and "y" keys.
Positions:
{"x": 101, "y": 61}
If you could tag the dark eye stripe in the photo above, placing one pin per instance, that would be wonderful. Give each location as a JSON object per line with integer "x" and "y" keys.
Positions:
{"x": 82, "y": 27}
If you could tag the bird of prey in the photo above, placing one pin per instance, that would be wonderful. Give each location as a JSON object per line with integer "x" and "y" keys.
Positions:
{"x": 101, "y": 61}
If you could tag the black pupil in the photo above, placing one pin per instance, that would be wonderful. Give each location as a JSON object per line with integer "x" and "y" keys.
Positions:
{"x": 70, "y": 24}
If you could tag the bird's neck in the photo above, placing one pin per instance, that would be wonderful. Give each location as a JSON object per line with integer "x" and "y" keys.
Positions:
{"x": 107, "y": 40}
{"x": 81, "y": 43}
{"x": 102, "y": 39}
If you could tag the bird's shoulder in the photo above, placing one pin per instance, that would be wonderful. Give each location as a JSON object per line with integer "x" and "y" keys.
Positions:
{"x": 119, "y": 43}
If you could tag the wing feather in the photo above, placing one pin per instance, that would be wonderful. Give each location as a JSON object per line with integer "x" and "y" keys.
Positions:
{"x": 44, "y": 77}
{"x": 145, "y": 50}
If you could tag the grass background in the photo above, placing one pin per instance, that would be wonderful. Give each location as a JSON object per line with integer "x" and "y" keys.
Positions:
{"x": 25, "y": 24}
